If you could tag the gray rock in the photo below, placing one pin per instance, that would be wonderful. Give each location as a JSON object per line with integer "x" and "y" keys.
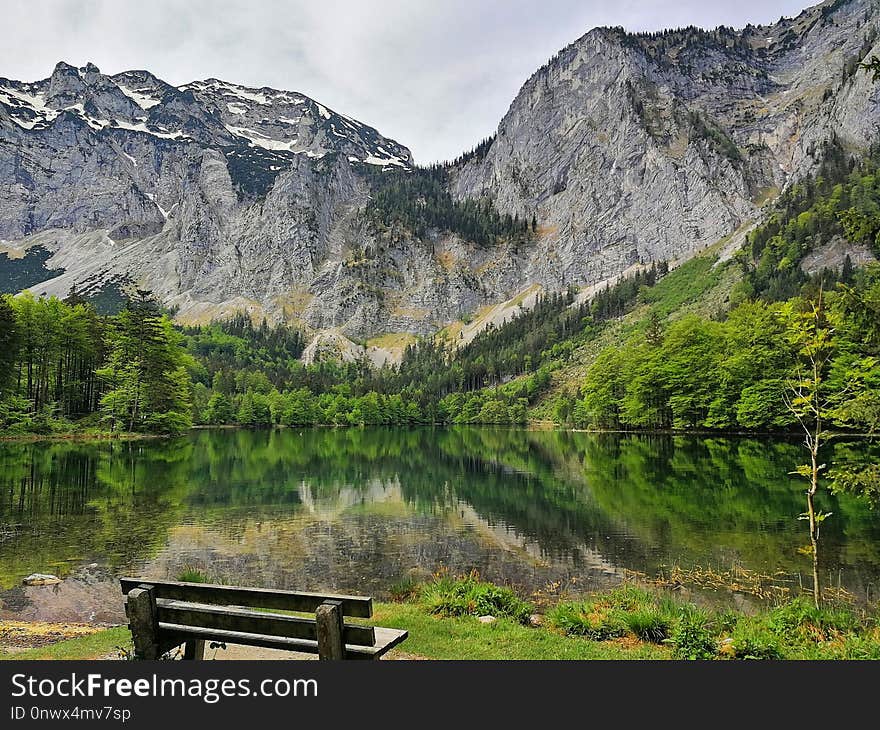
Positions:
{"x": 630, "y": 150}
{"x": 41, "y": 579}
{"x": 221, "y": 198}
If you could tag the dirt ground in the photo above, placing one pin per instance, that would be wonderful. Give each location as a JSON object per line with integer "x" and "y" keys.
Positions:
{"x": 235, "y": 652}
{"x": 17, "y": 636}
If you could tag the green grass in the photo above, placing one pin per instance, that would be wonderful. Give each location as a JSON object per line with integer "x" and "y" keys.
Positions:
{"x": 625, "y": 611}
{"x": 92, "y": 646}
{"x": 465, "y": 637}
{"x": 683, "y": 285}
{"x": 801, "y": 618}
{"x": 649, "y": 625}
{"x": 698, "y": 287}
{"x": 469, "y": 596}
{"x": 626, "y": 623}
{"x": 430, "y": 636}
{"x": 193, "y": 575}
{"x": 753, "y": 642}
{"x": 793, "y": 630}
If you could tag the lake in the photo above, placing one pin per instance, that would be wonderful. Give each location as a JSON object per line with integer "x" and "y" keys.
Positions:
{"x": 363, "y": 510}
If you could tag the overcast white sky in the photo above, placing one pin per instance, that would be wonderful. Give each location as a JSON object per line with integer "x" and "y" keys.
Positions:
{"x": 436, "y": 75}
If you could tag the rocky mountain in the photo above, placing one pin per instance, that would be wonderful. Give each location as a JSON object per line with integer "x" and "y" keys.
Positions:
{"x": 623, "y": 149}
{"x": 643, "y": 147}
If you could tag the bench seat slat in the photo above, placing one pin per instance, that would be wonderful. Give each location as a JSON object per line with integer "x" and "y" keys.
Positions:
{"x": 242, "y": 620}
{"x": 385, "y": 640}
{"x": 219, "y": 595}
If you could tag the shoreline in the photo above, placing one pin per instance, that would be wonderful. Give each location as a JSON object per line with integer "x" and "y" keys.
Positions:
{"x": 95, "y": 437}
{"x": 631, "y": 621}
{"x": 74, "y": 437}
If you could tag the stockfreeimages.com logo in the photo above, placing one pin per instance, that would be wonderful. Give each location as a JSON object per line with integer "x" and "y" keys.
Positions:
{"x": 208, "y": 690}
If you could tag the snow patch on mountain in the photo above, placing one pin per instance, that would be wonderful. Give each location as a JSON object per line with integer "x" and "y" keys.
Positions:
{"x": 144, "y": 101}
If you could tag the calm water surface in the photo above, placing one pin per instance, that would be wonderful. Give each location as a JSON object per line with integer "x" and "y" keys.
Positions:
{"x": 362, "y": 509}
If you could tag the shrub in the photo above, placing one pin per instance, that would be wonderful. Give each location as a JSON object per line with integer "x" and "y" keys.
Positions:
{"x": 648, "y": 625}
{"x": 193, "y": 575}
{"x": 859, "y": 647}
{"x": 727, "y": 620}
{"x": 627, "y": 609}
{"x": 590, "y": 619}
{"x": 800, "y": 619}
{"x": 692, "y": 638}
{"x": 749, "y": 642}
{"x": 630, "y": 598}
{"x": 404, "y": 590}
{"x": 469, "y": 596}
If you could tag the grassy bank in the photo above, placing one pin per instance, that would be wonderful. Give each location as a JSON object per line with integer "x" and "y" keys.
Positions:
{"x": 77, "y": 436}
{"x": 91, "y": 646}
{"x": 630, "y": 622}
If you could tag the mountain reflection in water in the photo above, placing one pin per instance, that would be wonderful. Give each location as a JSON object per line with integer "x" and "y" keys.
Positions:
{"x": 362, "y": 509}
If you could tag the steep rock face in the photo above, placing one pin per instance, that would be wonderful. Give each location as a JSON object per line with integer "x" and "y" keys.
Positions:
{"x": 626, "y": 148}
{"x": 213, "y": 195}
{"x": 643, "y": 147}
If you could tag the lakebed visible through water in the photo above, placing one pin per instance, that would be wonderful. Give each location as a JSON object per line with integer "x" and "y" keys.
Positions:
{"x": 363, "y": 510}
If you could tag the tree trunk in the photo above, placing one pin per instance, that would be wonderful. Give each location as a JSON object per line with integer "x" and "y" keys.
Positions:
{"x": 814, "y": 546}
{"x": 811, "y": 511}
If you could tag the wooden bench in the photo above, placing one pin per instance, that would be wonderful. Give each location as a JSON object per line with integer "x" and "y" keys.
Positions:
{"x": 165, "y": 614}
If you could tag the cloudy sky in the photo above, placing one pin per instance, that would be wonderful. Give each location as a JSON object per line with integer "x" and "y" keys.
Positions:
{"x": 436, "y": 75}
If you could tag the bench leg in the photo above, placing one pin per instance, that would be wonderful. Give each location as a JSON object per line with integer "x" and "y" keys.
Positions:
{"x": 329, "y": 625}
{"x": 194, "y": 649}
{"x": 143, "y": 621}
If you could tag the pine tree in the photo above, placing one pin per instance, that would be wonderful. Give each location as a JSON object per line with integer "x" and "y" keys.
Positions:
{"x": 148, "y": 386}
{"x": 9, "y": 343}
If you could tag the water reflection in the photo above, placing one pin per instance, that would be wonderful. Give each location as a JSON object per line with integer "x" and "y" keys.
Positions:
{"x": 360, "y": 509}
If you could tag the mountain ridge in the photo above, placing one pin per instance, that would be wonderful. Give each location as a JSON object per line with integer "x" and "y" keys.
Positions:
{"x": 624, "y": 149}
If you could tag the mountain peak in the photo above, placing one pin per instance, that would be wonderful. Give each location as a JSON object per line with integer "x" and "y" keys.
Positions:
{"x": 265, "y": 126}
{"x": 62, "y": 67}
{"x": 624, "y": 149}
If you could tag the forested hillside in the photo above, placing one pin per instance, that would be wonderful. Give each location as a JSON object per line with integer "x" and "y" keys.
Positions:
{"x": 420, "y": 201}
{"x": 709, "y": 345}
{"x": 735, "y": 374}
{"x": 63, "y": 367}
{"x": 842, "y": 202}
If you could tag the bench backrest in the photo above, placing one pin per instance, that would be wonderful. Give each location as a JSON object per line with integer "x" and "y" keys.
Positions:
{"x": 220, "y": 595}
{"x": 227, "y": 612}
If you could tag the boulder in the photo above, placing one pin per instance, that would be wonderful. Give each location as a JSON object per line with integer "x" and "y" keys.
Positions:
{"x": 41, "y": 579}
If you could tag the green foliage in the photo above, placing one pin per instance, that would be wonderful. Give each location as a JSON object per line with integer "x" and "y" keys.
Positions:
{"x": 468, "y": 596}
{"x": 801, "y": 619}
{"x": 419, "y": 200}
{"x": 193, "y": 575}
{"x": 17, "y": 274}
{"x": 753, "y": 642}
{"x": 588, "y": 620}
{"x": 693, "y": 637}
{"x": 8, "y": 345}
{"x": 698, "y": 373}
{"x": 503, "y": 370}
{"x": 843, "y": 200}
{"x": 62, "y": 364}
{"x": 146, "y": 381}
{"x": 460, "y": 637}
{"x": 648, "y": 625}
{"x": 404, "y": 589}
{"x": 627, "y": 609}
{"x": 236, "y": 344}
